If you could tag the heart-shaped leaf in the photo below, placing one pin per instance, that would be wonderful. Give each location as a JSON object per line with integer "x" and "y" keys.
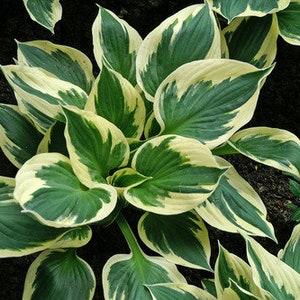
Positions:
{"x": 72, "y": 277}
{"x": 181, "y": 173}
{"x": 47, "y": 187}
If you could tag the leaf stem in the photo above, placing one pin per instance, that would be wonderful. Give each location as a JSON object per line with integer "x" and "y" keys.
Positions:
{"x": 129, "y": 236}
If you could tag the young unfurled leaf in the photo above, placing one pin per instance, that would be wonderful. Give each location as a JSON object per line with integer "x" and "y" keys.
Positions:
{"x": 71, "y": 277}
{"x": 291, "y": 252}
{"x": 115, "y": 44}
{"x": 65, "y": 63}
{"x": 273, "y": 147}
{"x": 43, "y": 91}
{"x": 272, "y": 274}
{"x": 125, "y": 276}
{"x": 44, "y": 12}
{"x": 191, "y": 34}
{"x": 19, "y": 139}
{"x": 208, "y": 99}
{"x": 115, "y": 99}
{"x": 47, "y": 188}
{"x": 95, "y": 145}
{"x": 183, "y": 291}
{"x": 252, "y": 40}
{"x": 231, "y": 9}
{"x": 235, "y": 206}
{"x": 231, "y": 269}
{"x": 181, "y": 173}
{"x": 181, "y": 239}
{"x": 289, "y": 23}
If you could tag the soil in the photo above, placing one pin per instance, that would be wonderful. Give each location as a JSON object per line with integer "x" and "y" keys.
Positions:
{"x": 278, "y": 107}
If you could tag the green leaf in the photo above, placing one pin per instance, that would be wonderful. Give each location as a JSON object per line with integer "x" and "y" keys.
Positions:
{"x": 181, "y": 173}
{"x": 235, "y": 206}
{"x": 252, "y": 40}
{"x": 59, "y": 274}
{"x": 95, "y": 145}
{"x": 43, "y": 91}
{"x": 209, "y": 285}
{"x": 272, "y": 274}
{"x": 47, "y": 188}
{"x": 181, "y": 239}
{"x": 190, "y": 34}
{"x": 273, "y": 147}
{"x": 125, "y": 276}
{"x": 231, "y": 269}
{"x": 115, "y": 99}
{"x": 19, "y": 139}
{"x": 231, "y": 9}
{"x": 44, "y": 12}
{"x": 115, "y": 44}
{"x": 289, "y": 23}
{"x": 65, "y": 63}
{"x": 208, "y": 99}
{"x": 182, "y": 291}
{"x": 291, "y": 252}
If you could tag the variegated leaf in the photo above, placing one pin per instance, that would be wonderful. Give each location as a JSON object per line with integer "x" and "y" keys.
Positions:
{"x": 42, "y": 90}
{"x": 181, "y": 239}
{"x": 44, "y": 12}
{"x": 115, "y": 44}
{"x": 231, "y": 269}
{"x": 47, "y": 188}
{"x": 19, "y": 139}
{"x": 183, "y": 291}
{"x": 208, "y": 99}
{"x": 235, "y": 206}
{"x": 95, "y": 145}
{"x": 66, "y": 63}
{"x": 16, "y": 238}
{"x": 209, "y": 285}
{"x": 231, "y": 9}
{"x": 289, "y": 23}
{"x": 7, "y": 186}
{"x": 71, "y": 277}
{"x": 41, "y": 121}
{"x": 125, "y": 276}
{"x": 115, "y": 99}
{"x": 272, "y": 274}
{"x": 181, "y": 173}
{"x": 54, "y": 140}
{"x": 191, "y": 34}
{"x": 252, "y": 40}
{"x": 273, "y": 147}
{"x": 291, "y": 252}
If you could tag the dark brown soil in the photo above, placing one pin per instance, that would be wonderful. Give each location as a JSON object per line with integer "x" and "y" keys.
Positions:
{"x": 278, "y": 107}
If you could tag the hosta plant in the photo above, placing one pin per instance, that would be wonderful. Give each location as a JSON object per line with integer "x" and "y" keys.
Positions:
{"x": 147, "y": 134}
